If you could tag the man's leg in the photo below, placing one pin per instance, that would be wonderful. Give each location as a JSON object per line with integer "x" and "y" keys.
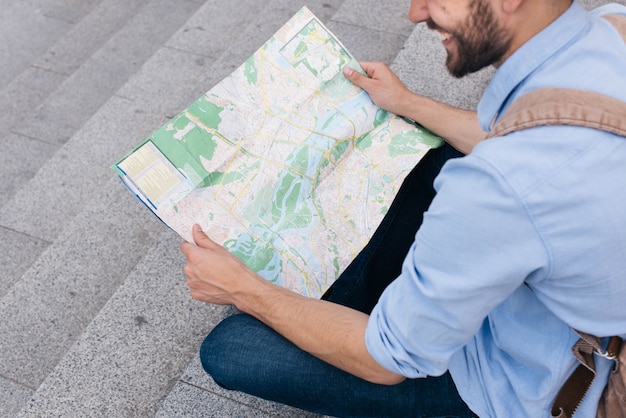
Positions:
{"x": 243, "y": 354}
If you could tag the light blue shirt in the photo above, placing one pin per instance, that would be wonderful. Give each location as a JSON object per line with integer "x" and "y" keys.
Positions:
{"x": 525, "y": 239}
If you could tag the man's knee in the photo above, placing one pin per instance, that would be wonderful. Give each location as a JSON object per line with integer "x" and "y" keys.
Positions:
{"x": 216, "y": 347}
{"x": 224, "y": 351}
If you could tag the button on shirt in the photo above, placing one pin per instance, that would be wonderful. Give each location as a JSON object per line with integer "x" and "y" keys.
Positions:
{"x": 525, "y": 239}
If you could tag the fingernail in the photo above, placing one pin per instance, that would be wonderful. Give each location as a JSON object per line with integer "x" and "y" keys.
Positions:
{"x": 348, "y": 71}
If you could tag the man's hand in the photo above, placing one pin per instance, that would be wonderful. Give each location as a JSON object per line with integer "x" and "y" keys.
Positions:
{"x": 213, "y": 274}
{"x": 383, "y": 86}
{"x": 457, "y": 126}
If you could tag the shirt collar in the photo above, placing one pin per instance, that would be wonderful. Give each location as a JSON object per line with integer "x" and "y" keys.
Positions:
{"x": 526, "y": 60}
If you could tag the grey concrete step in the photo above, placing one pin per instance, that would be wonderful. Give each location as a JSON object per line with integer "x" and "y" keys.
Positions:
{"x": 83, "y": 266}
{"x": 54, "y": 120}
{"x": 90, "y": 85}
{"x": 61, "y": 293}
{"x": 143, "y": 27}
{"x": 29, "y": 27}
{"x": 25, "y": 97}
{"x": 45, "y": 190}
{"x": 45, "y": 73}
{"x": 35, "y": 24}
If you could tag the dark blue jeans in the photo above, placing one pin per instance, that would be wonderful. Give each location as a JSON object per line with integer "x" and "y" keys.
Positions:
{"x": 243, "y": 354}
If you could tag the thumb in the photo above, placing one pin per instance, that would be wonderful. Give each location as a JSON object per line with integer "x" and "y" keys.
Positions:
{"x": 200, "y": 238}
{"x": 356, "y": 77}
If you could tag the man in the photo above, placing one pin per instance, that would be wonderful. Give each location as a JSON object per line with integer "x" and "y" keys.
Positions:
{"x": 525, "y": 239}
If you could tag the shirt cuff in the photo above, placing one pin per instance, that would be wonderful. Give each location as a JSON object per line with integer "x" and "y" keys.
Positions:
{"x": 385, "y": 351}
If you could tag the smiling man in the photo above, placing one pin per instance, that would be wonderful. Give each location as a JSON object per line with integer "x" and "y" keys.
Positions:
{"x": 525, "y": 239}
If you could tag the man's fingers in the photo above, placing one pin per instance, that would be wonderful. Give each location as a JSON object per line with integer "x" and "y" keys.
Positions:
{"x": 369, "y": 67}
{"x": 199, "y": 238}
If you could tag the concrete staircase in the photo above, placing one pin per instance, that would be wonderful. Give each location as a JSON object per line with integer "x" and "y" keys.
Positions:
{"x": 96, "y": 317}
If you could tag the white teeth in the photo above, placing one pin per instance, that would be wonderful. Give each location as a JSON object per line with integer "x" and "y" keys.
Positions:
{"x": 444, "y": 36}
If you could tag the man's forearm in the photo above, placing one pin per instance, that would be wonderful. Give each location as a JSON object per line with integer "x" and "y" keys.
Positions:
{"x": 331, "y": 332}
{"x": 458, "y": 127}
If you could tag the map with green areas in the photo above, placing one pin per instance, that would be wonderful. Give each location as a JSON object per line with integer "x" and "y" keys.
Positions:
{"x": 285, "y": 162}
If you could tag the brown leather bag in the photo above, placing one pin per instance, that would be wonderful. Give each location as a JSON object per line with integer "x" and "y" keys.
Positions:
{"x": 554, "y": 107}
{"x": 613, "y": 400}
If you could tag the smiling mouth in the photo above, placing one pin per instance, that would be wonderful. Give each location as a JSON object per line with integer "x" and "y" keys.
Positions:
{"x": 443, "y": 35}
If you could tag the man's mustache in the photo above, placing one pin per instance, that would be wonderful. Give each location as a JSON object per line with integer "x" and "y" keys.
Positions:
{"x": 430, "y": 23}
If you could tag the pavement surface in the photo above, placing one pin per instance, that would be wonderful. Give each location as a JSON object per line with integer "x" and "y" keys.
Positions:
{"x": 96, "y": 318}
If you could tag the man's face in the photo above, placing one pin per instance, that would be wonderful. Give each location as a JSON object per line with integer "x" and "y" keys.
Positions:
{"x": 473, "y": 39}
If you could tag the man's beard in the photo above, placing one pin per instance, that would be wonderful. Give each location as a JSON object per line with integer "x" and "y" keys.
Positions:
{"x": 480, "y": 41}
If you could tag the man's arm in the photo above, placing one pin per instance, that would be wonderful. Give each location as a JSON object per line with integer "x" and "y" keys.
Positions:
{"x": 331, "y": 332}
{"x": 457, "y": 126}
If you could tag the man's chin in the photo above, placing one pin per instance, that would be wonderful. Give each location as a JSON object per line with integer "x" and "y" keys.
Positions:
{"x": 461, "y": 69}
{"x": 454, "y": 68}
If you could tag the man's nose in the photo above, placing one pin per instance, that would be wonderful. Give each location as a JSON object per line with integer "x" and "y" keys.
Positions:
{"x": 418, "y": 12}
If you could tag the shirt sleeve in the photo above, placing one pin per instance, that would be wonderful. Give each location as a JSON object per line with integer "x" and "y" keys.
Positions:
{"x": 476, "y": 245}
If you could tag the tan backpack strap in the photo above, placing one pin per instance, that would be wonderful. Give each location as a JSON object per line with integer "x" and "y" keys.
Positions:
{"x": 559, "y": 106}
{"x": 619, "y": 21}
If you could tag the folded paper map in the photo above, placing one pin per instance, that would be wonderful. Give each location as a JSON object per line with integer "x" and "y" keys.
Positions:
{"x": 285, "y": 162}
